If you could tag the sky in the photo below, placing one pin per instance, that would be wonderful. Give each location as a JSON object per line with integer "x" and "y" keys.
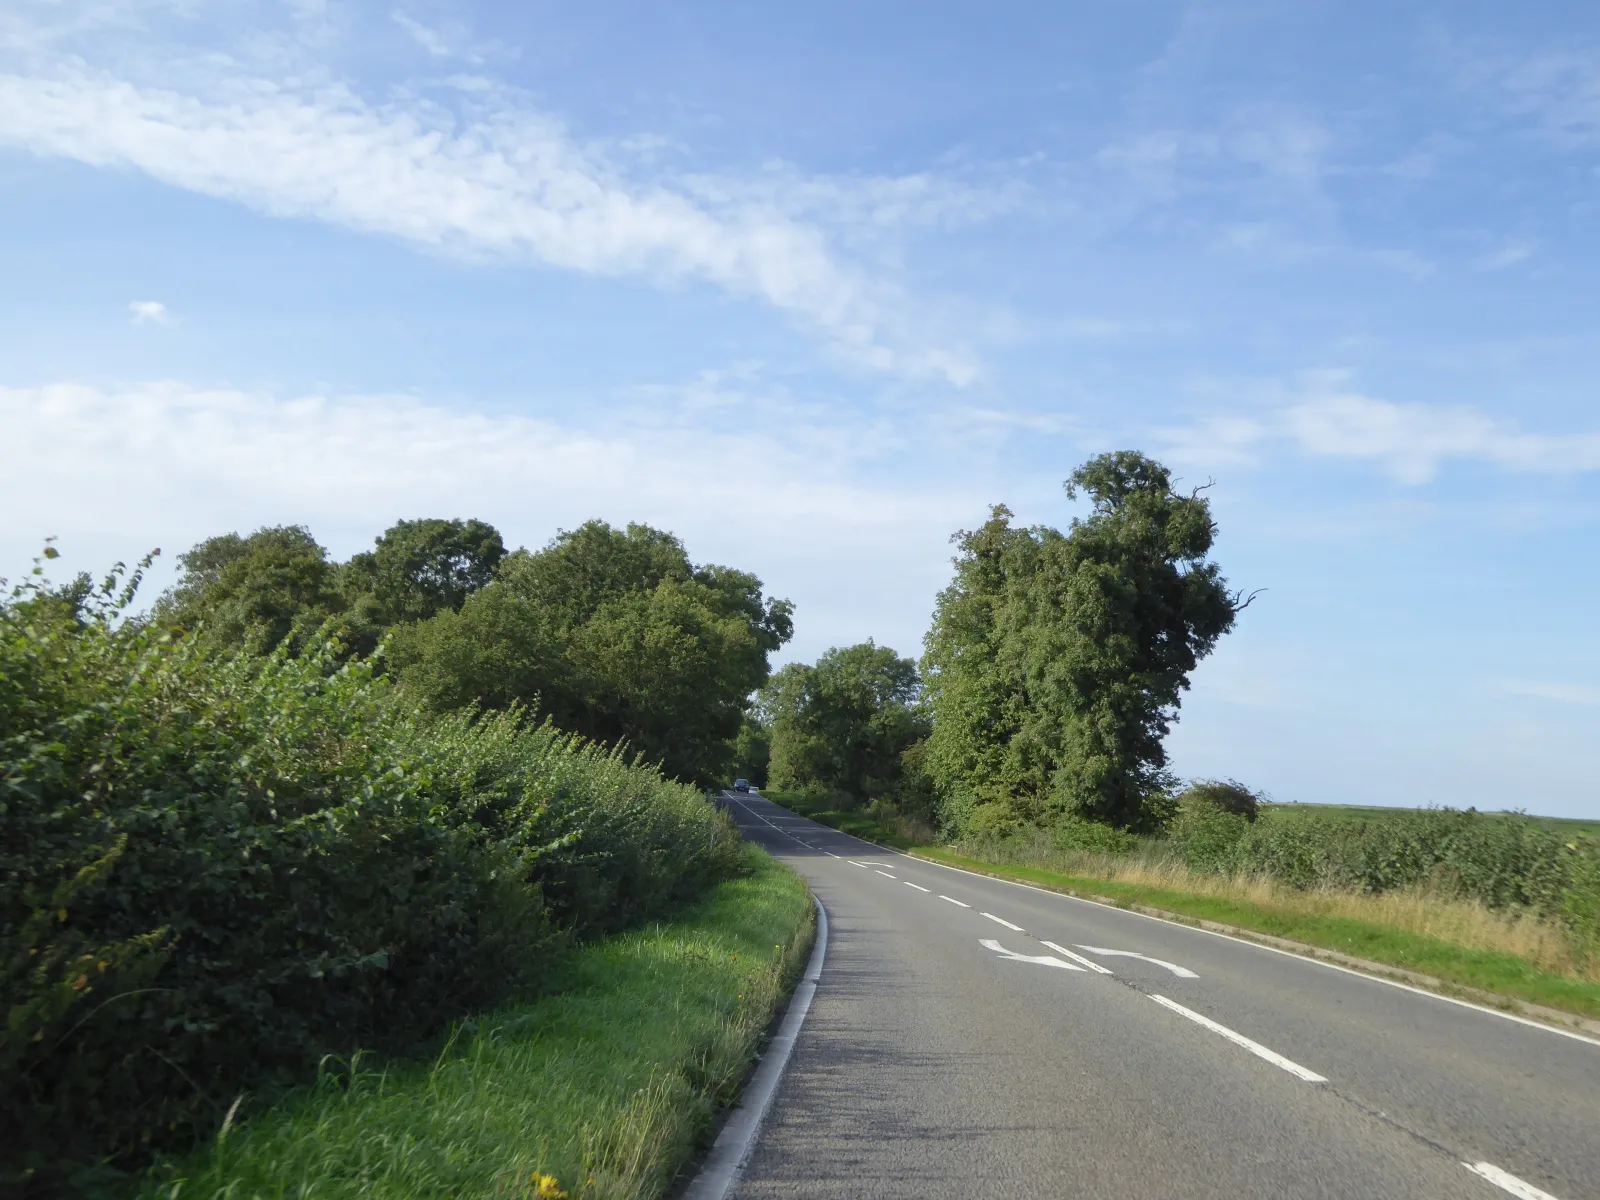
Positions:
{"x": 813, "y": 286}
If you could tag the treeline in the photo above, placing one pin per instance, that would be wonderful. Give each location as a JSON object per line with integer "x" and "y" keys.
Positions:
{"x": 1053, "y": 670}
{"x": 235, "y": 837}
{"x": 610, "y": 633}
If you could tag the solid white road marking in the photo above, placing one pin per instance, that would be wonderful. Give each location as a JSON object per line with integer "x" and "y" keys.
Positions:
{"x": 1044, "y": 960}
{"x": 886, "y": 875}
{"x": 1238, "y": 1039}
{"x": 854, "y": 863}
{"x": 918, "y": 886}
{"x": 1003, "y": 921}
{"x": 953, "y": 900}
{"x": 1078, "y": 958}
{"x": 1180, "y": 972}
{"x": 1294, "y": 954}
{"x": 1506, "y": 1181}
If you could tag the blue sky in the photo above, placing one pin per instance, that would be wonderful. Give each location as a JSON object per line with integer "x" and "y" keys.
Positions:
{"x": 814, "y": 285}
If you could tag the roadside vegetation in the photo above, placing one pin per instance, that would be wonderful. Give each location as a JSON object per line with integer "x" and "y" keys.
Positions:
{"x": 232, "y": 844}
{"x": 1028, "y": 742}
{"x": 604, "y": 1088}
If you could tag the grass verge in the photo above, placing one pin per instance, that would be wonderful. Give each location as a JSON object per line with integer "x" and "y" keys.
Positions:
{"x": 1485, "y": 970}
{"x": 1462, "y": 944}
{"x": 603, "y": 1089}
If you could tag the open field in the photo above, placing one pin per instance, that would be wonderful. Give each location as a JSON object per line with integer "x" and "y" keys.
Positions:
{"x": 603, "y": 1089}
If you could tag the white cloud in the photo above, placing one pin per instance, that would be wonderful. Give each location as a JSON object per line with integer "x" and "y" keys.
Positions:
{"x": 1409, "y": 441}
{"x": 113, "y": 472}
{"x": 430, "y": 40}
{"x": 1585, "y": 695}
{"x": 149, "y": 312}
{"x": 501, "y": 181}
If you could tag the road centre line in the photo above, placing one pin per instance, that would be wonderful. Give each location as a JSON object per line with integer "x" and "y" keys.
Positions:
{"x": 1238, "y": 1039}
{"x": 854, "y": 863}
{"x": 1003, "y": 921}
{"x": 1305, "y": 958}
{"x": 1078, "y": 958}
{"x": 953, "y": 900}
{"x": 886, "y": 875}
{"x": 1506, "y": 1181}
{"x": 918, "y": 886}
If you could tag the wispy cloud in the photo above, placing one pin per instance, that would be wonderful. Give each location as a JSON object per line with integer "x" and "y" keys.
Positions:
{"x": 149, "y": 312}
{"x": 491, "y": 178}
{"x": 1409, "y": 441}
{"x": 428, "y": 38}
{"x": 1585, "y": 695}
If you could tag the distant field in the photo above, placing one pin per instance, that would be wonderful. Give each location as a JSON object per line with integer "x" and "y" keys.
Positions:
{"x": 1377, "y": 812}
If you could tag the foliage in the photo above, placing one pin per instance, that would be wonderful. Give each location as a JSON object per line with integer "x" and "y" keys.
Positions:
{"x": 216, "y": 867}
{"x": 844, "y": 723}
{"x": 1227, "y": 794}
{"x": 255, "y": 593}
{"x": 614, "y": 634}
{"x": 1056, "y": 661}
{"x": 752, "y": 751}
{"x": 602, "y": 1089}
{"x": 416, "y": 570}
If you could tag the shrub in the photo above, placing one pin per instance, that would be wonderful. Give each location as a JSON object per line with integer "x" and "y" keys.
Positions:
{"x": 215, "y": 869}
{"x": 1074, "y": 833}
{"x": 1227, "y": 794}
{"x": 1207, "y": 837}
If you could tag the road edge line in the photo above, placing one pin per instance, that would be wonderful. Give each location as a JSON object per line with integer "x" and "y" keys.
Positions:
{"x": 1559, "y": 1022}
{"x": 731, "y": 1151}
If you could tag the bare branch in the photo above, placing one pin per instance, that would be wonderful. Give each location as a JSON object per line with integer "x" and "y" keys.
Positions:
{"x": 1239, "y": 605}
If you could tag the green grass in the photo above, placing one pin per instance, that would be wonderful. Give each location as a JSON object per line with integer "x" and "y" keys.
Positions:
{"x": 604, "y": 1088}
{"x": 1505, "y": 974}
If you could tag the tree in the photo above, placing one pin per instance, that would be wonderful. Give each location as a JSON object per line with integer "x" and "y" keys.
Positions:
{"x": 844, "y": 723}
{"x": 415, "y": 570}
{"x": 257, "y": 592}
{"x": 612, "y": 633}
{"x": 1056, "y": 663}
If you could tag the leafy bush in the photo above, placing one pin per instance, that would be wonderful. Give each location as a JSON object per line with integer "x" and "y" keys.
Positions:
{"x": 1227, "y": 794}
{"x": 215, "y": 869}
{"x": 1073, "y": 833}
{"x": 1207, "y": 836}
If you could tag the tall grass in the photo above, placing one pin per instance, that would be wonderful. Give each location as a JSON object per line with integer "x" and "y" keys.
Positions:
{"x": 601, "y": 1090}
{"x": 1543, "y": 941}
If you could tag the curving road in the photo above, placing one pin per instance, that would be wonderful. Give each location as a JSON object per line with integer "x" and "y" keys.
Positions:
{"x": 971, "y": 1037}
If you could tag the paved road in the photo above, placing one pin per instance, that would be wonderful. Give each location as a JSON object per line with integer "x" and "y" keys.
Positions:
{"x": 971, "y": 1037}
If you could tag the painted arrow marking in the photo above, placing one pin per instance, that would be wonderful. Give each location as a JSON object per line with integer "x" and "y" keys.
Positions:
{"x": 1180, "y": 972}
{"x": 1044, "y": 960}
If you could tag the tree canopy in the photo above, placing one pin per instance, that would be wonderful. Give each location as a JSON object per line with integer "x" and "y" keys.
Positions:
{"x": 615, "y": 634}
{"x": 844, "y": 723}
{"x": 1056, "y": 662}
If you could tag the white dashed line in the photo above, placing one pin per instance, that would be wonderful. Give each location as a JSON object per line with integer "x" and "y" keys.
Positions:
{"x": 1238, "y": 1039}
{"x": 1508, "y": 1182}
{"x": 918, "y": 886}
{"x": 1003, "y": 921}
{"x": 886, "y": 875}
{"x": 854, "y": 863}
{"x": 953, "y": 900}
{"x": 1078, "y": 958}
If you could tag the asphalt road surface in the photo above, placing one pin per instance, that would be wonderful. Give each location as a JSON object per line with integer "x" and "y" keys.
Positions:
{"x": 971, "y": 1037}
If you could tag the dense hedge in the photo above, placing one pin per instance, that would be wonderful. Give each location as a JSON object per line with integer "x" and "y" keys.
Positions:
{"x": 1505, "y": 861}
{"x": 216, "y": 869}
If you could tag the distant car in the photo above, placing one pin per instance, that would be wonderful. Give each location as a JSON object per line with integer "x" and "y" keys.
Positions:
{"x": 741, "y": 785}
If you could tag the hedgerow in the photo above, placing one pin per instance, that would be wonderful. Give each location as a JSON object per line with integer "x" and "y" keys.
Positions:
{"x": 218, "y": 868}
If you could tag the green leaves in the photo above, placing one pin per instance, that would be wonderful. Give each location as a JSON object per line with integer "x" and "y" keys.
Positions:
{"x": 1057, "y": 661}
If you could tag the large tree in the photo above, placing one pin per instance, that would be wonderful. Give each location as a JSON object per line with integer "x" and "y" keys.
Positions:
{"x": 254, "y": 592}
{"x": 612, "y": 633}
{"x": 844, "y": 723}
{"x": 415, "y": 570}
{"x": 1056, "y": 662}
